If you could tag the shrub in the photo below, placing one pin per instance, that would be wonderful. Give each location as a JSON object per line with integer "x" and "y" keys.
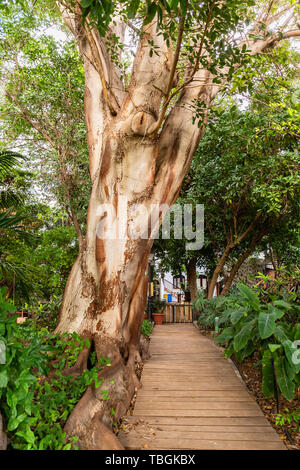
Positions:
{"x": 272, "y": 329}
{"x": 147, "y": 327}
{"x": 35, "y": 407}
{"x": 265, "y": 321}
{"x": 157, "y": 305}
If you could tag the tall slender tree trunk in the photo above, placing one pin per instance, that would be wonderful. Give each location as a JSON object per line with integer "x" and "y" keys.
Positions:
{"x": 3, "y": 438}
{"x": 256, "y": 238}
{"x": 217, "y": 271}
{"x": 191, "y": 271}
{"x": 234, "y": 271}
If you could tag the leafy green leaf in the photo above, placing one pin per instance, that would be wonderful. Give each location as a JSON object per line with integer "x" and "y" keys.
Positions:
{"x": 285, "y": 384}
{"x": 274, "y": 347}
{"x": 226, "y": 334}
{"x": 268, "y": 386}
{"x": 3, "y": 378}
{"x": 250, "y": 295}
{"x": 237, "y": 315}
{"x": 243, "y": 336}
{"x": 266, "y": 324}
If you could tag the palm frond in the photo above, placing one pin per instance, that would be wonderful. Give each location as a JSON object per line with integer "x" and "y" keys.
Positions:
{"x": 8, "y": 159}
{"x": 15, "y": 222}
{"x": 11, "y": 272}
{"x": 10, "y": 198}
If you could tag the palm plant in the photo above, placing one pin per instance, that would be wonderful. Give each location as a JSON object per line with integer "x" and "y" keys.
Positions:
{"x": 8, "y": 196}
{"x": 12, "y": 219}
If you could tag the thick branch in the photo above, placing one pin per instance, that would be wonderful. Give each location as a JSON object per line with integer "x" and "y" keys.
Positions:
{"x": 257, "y": 237}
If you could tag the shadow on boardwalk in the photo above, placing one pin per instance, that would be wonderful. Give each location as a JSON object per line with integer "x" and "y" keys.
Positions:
{"x": 193, "y": 398}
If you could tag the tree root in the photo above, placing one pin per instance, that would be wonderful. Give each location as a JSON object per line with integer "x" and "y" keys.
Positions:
{"x": 94, "y": 415}
{"x": 3, "y": 438}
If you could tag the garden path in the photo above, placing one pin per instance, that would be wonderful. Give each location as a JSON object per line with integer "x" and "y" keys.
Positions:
{"x": 193, "y": 398}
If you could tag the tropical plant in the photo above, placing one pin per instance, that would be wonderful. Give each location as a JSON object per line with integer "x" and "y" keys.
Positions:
{"x": 33, "y": 405}
{"x": 158, "y": 305}
{"x": 14, "y": 221}
{"x": 272, "y": 329}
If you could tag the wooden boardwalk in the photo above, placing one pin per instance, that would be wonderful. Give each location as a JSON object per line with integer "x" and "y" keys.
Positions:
{"x": 193, "y": 398}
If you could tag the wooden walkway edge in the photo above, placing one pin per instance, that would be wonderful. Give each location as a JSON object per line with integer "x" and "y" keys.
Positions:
{"x": 193, "y": 398}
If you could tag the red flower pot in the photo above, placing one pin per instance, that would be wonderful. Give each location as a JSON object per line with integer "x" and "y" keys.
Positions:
{"x": 158, "y": 318}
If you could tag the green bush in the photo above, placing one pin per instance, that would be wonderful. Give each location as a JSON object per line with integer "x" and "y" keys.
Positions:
{"x": 267, "y": 322}
{"x": 147, "y": 327}
{"x": 211, "y": 311}
{"x": 35, "y": 407}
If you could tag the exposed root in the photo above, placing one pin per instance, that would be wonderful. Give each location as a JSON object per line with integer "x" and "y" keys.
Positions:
{"x": 94, "y": 416}
{"x": 3, "y": 438}
{"x": 78, "y": 367}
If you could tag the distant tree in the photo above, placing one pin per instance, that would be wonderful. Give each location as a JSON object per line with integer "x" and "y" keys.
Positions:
{"x": 43, "y": 111}
{"x": 246, "y": 172}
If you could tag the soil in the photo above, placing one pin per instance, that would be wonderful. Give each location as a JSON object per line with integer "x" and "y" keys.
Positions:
{"x": 252, "y": 376}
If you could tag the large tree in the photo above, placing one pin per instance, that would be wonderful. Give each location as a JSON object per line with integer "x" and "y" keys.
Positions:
{"x": 249, "y": 180}
{"x": 143, "y": 127}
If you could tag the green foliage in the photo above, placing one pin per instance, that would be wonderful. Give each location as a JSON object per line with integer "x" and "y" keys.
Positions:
{"x": 157, "y": 305}
{"x": 147, "y": 328}
{"x": 210, "y": 311}
{"x": 34, "y": 406}
{"x": 289, "y": 417}
{"x": 14, "y": 219}
{"x": 246, "y": 169}
{"x": 45, "y": 119}
{"x": 248, "y": 322}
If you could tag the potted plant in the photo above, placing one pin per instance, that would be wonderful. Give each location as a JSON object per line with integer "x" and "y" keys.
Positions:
{"x": 187, "y": 292}
{"x": 158, "y": 309}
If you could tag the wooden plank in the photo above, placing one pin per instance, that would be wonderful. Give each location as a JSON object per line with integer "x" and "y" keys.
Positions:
{"x": 206, "y": 413}
{"x": 204, "y": 405}
{"x": 207, "y": 429}
{"x": 192, "y": 387}
{"x": 246, "y": 435}
{"x": 200, "y": 421}
{"x": 191, "y": 400}
{"x": 131, "y": 443}
{"x": 193, "y": 394}
{"x": 217, "y": 379}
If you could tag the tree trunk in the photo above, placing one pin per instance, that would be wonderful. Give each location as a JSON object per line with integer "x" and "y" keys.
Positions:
{"x": 192, "y": 278}
{"x": 234, "y": 271}
{"x": 3, "y": 438}
{"x": 217, "y": 271}
{"x": 256, "y": 238}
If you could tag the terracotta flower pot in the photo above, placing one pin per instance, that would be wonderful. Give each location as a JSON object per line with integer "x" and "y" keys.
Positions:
{"x": 158, "y": 318}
